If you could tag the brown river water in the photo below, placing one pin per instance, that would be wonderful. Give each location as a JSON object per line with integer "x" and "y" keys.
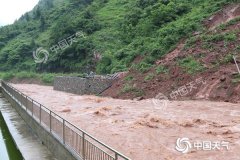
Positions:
{"x": 142, "y": 131}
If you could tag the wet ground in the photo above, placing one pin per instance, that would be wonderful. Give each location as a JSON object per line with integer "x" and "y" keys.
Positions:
{"x": 149, "y": 129}
{"x": 29, "y": 145}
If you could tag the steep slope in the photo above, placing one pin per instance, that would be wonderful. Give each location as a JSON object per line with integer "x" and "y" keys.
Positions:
{"x": 119, "y": 31}
{"x": 201, "y": 67}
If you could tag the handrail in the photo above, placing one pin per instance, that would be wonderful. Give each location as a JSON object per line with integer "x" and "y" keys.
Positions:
{"x": 103, "y": 150}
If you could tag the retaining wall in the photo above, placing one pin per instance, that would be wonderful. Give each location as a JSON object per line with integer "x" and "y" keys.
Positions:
{"x": 78, "y": 85}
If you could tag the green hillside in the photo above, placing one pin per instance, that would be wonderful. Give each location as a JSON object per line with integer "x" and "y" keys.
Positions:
{"x": 119, "y": 30}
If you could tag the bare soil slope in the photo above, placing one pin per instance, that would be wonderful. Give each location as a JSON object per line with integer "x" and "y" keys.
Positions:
{"x": 206, "y": 55}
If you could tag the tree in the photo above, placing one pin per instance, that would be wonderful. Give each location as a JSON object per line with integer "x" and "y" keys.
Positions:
{"x": 37, "y": 13}
{"x": 42, "y": 24}
{"x": 49, "y": 3}
{"x": 27, "y": 17}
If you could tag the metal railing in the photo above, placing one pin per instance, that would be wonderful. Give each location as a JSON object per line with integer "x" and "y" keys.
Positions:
{"x": 77, "y": 141}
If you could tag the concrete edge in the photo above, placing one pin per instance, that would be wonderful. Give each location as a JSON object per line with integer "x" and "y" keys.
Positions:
{"x": 13, "y": 138}
{"x": 53, "y": 144}
{"x": 23, "y": 136}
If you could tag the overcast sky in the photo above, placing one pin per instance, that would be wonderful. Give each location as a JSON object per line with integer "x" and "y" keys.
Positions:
{"x": 10, "y": 10}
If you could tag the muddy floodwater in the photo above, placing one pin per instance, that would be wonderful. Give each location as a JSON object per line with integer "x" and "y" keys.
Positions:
{"x": 147, "y": 129}
{"x": 8, "y": 149}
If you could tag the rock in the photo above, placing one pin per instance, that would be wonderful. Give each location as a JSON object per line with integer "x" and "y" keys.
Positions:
{"x": 234, "y": 73}
{"x": 196, "y": 33}
{"x": 134, "y": 85}
{"x": 66, "y": 110}
{"x": 138, "y": 98}
{"x": 227, "y": 132}
{"x": 226, "y": 100}
{"x": 223, "y": 78}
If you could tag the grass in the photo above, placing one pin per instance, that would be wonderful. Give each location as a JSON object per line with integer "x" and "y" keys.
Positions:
{"x": 142, "y": 67}
{"x": 228, "y": 58}
{"x": 149, "y": 77}
{"x": 208, "y": 46}
{"x": 212, "y": 38}
{"x": 26, "y": 75}
{"x": 45, "y": 78}
{"x": 161, "y": 69}
{"x": 230, "y": 37}
{"x": 131, "y": 89}
{"x": 238, "y": 48}
{"x": 191, "y": 42}
{"x": 232, "y": 22}
{"x": 227, "y": 37}
{"x": 6, "y": 76}
{"x": 190, "y": 65}
{"x": 209, "y": 39}
{"x": 128, "y": 78}
{"x": 236, "y": 79}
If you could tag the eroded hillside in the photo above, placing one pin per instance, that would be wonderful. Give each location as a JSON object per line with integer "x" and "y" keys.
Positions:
{"x": 201, "y": 67}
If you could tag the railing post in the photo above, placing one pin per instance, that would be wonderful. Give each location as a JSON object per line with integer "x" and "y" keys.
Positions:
{"x": 40, "y": 117}
{"x": 63, "y": 131}
{"x": 23, "y": 102}
{"x": 50, "y": 119}
{"x": 116, "y": 156}
{"x": 25, "y": 99}
{"x": 83, "y": 145}
{"x": 20, "y": 100}
{"x": 32, "y": 107}
{"x": 26, "y": 103}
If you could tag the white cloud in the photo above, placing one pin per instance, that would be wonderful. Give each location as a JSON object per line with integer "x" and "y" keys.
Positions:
{"x": 10, "y": 10}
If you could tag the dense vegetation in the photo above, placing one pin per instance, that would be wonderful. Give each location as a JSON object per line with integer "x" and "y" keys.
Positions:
{"x": 119, "y": 30}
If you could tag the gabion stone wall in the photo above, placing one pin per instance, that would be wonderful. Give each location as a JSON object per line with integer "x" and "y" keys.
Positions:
{"x": 78, "y": 85}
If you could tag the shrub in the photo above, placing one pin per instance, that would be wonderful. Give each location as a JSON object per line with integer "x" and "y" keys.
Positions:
{"x": 238, "y": 48}
{"x": 161, "y": 69}
{"x": 129, "y": 88}
{"x": 213, "y": 38}
{"x": 25, "y": 75}
{"x": 47, "y": 78}
{"x": 142, "y": 67}
{"x": 190, "y": 65}
{"x": 105, "y": 65}
{"x": 229, "y": 37}
{"x": 228, "y": 58}
{"x": 128, "y": 78}
{"x": 149, "y": 77}
{"x": 190, "y": 42}
{"x": 7, "y": 76}
{"x": 236, "y": 79}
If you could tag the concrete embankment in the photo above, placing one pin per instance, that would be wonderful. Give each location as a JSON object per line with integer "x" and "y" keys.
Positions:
{"x": 43, "y": 146}
{"x": 26, "y": 141}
